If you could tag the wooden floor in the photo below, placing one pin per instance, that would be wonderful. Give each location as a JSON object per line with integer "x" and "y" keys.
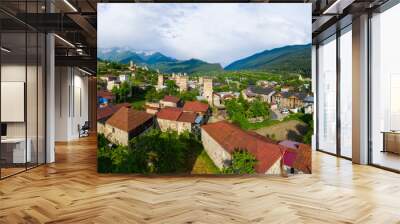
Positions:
{"x": 386, "y": 159}
{"x": 70, "y": 191}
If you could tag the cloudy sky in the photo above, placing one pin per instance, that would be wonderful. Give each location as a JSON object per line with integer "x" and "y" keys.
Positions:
{"x": 216, "y": 33}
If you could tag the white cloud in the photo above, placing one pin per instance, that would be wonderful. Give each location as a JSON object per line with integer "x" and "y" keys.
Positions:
{"x": 219, "y": 33}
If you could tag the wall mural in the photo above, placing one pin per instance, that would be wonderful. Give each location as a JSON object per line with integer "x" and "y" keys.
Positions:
{"x": 204, "y": 88}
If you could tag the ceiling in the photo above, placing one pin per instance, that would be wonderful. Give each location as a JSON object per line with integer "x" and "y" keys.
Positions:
{"x": 75, "y": 21}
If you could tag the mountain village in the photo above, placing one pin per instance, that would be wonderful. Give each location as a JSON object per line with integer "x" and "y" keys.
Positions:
{"x": 208, "y": 116}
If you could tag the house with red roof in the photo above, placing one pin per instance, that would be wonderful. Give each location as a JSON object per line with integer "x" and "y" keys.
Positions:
{"x": 104, "y": 98}
{"x": 126, "y": 124}
{"x": 297, "y": 156}
{"x": 197, "y": 107}
{"x": 175, "y": 119}
{"x": 152, "y": 107}
{"x": 170, "y": 101}
{"x": 103, "y": 113}
{"x": 222, "y": 138}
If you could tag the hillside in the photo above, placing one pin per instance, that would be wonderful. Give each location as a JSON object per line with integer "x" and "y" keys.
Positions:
{"x": 125, "y": 56}
{"x": 294, "y": 58}
{"x": 157, "y": 61}
{"x": 287, "y": 59}
{"x": 188, "y": 66}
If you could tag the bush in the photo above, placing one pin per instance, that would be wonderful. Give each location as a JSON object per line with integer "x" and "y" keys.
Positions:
{"x": 240, "y": 111}
{"x": 104, "y": 164}
{"x": 162, "y": 152}
{"x": 101, "y": 141}
{"x": 243, "y": 162}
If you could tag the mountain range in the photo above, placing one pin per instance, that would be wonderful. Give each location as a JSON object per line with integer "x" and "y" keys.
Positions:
{"x": 291, "y": 59}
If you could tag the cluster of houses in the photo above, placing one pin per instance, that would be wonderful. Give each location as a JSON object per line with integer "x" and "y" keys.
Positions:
{"x": 180, "y": 79}
{"x": 221, "y": 139}
{"x": 113, "y": 81}
{"x": 286, "y": 98}
{"x": 120, "y": 122}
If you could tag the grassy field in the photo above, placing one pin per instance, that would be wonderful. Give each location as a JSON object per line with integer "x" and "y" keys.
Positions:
{"x": 291, "y": 130}
{"x": 139, "y": 104}
{"x": 204, "y": 165}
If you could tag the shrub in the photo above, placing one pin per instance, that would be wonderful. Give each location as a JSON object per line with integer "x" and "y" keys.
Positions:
{"x": 243, "y": 162}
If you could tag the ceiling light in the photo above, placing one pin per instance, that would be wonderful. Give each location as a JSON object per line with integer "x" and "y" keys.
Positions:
{"x": 70, "y": 5}
{"x": 64, "y": 40}
{"x": 5, "y": 50}
{"x": 86, "y": 72}
{"x": 337, "y": 7}
{"x": 332, "y": 7}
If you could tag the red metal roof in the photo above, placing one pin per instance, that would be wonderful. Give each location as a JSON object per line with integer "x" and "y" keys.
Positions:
{"x": 176, "y": 114}
{"x": 187, "y": 117}
{"x": 106, "y": 112}
{"x": 169, "y": 113}
{"x": 172, "y": 99}
{"x": 128, "y": 119}
{"x": 195, "y": 106}
{"x": 105, "y": 94}
{"x": 231, "y": 137}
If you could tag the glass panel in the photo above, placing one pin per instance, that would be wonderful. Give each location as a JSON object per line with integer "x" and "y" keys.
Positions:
{"x": 41, "y": 99}
{"x": 23, "y": 91}
{"x": 346, "y": 94}
{"x": 13, "y": 79}
{"x": 327, "y": 96}
{"x": 385, "y": 92}
{"x": 31, "y": 98}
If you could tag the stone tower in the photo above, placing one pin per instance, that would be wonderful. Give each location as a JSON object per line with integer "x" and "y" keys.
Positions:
{"x": 208, "y": 90}
{"x": 160, "y": 82}
{"x": 132, "y": 66}
{"x": 182, "y": 83}
{"x": 200, "y": 81}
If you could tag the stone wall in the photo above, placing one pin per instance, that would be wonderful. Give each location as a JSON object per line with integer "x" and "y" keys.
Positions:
{"x": 218, "y": 154}
{"x": 160, "y": 82}
{"x": 100, "y": 128}
{"x": 180, "y": 127}
{"x": 167, "y": 104}
{"x": 182, "y": 83}
{"x": 275, "y": 169}
{"x": 115, "y": 135}
{"x": 208, "y": 90}
{"x": 151, "y": 111}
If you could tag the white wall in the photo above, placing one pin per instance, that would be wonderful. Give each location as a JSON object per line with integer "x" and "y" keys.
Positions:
{"x": 33, "y": 126}
{"x": 71, "y": 102}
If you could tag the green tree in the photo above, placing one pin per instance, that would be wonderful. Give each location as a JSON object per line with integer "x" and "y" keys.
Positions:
{"x": 171, "y": 87}
{"x": 258, "y": 108}
{"x": 189, "y": 95}
{"x": 152, "y": 95}
{"x": 123, "y": 91}
{"x": 101, "y": 141}
{"x": 163, "y": 152}
{"x": 243, "y": 162}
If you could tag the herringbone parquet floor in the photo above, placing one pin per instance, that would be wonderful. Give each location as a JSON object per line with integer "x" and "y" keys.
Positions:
{"x": 70, "y": 191}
